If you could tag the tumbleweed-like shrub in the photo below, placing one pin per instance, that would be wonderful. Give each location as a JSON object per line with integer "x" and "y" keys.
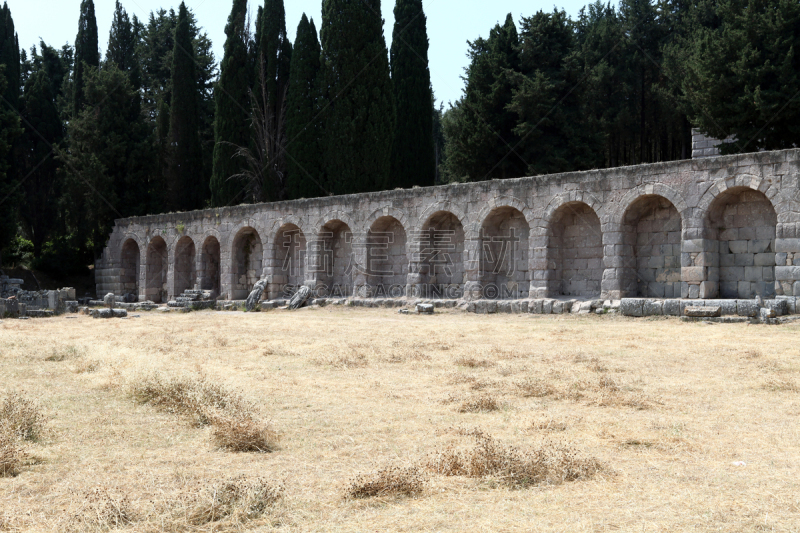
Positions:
{"x": 388, "y": 481}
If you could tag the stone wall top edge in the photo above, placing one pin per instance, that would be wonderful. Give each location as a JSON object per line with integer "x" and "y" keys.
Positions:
{"x": 456, "y": 189}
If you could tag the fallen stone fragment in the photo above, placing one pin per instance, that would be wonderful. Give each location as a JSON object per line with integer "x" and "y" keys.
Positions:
{"x": 703, "y": 312}
{"x": 300, "y": 297}
{"x": 424, "y": 309}
{"x": 255, "y": 295}
{"x": 109, "y": 313}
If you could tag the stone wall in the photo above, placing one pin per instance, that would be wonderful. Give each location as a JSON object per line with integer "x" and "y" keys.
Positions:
{"x": 688, "y": 229}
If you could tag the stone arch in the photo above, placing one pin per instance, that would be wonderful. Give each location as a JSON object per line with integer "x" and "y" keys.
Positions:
{"x": 185, "y": 265}
{"x": 650, "y": 254}
{"x": 473, "y": 229}
{"x": 390, "y": 212}
{"x": 209, "y": 271}
{"x": 247, "y": 256}
{"x": 740, "y": 226}
{"x": 332, "y": 260}
{"x": 130, "y": 261}
{"x": 157, "y": 268}
{"x": 503, "y": 248}
{"x": 439, "y": 256}
{"x": 387, "y": 257}
{"x": 574, "y": 249}
{"x": 616, "y": 217}
{"x": 289, "y": 260}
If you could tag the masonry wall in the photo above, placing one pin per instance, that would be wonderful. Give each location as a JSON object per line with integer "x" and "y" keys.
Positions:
{"x": 667, "y": 229}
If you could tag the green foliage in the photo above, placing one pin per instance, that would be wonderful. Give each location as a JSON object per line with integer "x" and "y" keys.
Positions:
{"x": 18, "y": 252}
{"x": 360, "y": 116}
{"x": 109, "y": 157}
{"x": 87, "y": 52}
{"x": 232, "y": 119}
{"x": 62, "y": 257}
{"x": 186, "y": 188}
{"x": 122, "y": 45}
{"x": 42, "y": 187}
{"x": 303, "y": 128}
{"x": 740, "y": 72}
{"x": 480, "y": 145}
{"x": 413, "y": 156}
{"x": 9, "y": 126}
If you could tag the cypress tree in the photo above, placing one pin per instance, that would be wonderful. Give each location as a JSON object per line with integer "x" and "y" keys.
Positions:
{"x": 302, "y": 133}
{"x": 87, "y": 52}
{"x": 360, "y": 121}
{"x": 9, "y": 126}
{"x": 274, "y": 52}
{"x": 231, "y": 124}
{"x": 413, "y": 158}
{"x": 122, "y": 43}
{"x": 186, "y": 186}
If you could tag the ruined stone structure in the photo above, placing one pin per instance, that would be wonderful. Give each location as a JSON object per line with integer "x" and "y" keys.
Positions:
{"x": 717, "y": 227}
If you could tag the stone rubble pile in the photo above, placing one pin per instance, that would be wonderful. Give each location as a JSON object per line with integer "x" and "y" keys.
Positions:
{"x": 16, "y": 302}
{"x": 193, "y": 299}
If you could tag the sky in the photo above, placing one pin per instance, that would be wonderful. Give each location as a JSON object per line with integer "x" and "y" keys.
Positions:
{"x": 451, "y": 23}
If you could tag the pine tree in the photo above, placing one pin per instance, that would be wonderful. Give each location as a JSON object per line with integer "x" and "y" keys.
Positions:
{"x": 232, "y": 124}
{"x": 87, "y": 52}
{"x": 413, "y": 159}
{"x": 480, "y": 130}
{"x": 186, "y": 186}
{"x": 122, "y": 44}
{"x": 43, "y": 130}
{"x": 360, "y": 120}
{"x": 9, "y": 126}
{"x": 303, "y": 128}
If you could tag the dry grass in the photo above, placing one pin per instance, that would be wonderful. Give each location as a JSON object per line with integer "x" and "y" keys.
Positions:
{"x": 549, "y": 464}
{"x": 11, "y": 454}
{"x": 389, "y": 481}
{"x": 236, "y": 424}
{"x": 687, "y": 416}
{"x": 483, "y": 403}
{"x": 21, "y": 417}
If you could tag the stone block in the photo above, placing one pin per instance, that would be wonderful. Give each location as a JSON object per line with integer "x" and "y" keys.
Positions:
{"x": 780, "y": 306}
{"x": 547, "y": 307}
{"x": 536, "y": 306}
{"x": 693, "y": 274}
{"x": 746, "y": 308}
{"x": 424, "y": 309}
{"x": 787, "y": 273}
{"x": 738, "y": 247}
{"x": 632, "y": 307}
{"x": 702, "y": 312}
{"x": 672, "y": 308}
{"x": 653, "y": 308}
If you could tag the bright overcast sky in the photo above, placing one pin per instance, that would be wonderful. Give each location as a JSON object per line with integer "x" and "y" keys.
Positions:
{"x": 450, "y": 24}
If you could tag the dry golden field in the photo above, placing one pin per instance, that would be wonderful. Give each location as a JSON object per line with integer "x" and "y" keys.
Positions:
{"x": 587, "y": 423}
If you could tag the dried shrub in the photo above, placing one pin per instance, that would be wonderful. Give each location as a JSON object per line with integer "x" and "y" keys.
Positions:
{"x": 62, "y": 353}
{"x": 780, "y": 385}
{"x": 235, "y": 501}
{"x": 551, "y": 464}
{"x": 11, "y": 455}
{"x": 407, "y": 355}
{"x": 472, "y": 362}
{"x": 244, "y": 433}
{"x": 101, "y": 511}
{"x": 618, "y": 399}
{"x": 479, "y": 404}
{"x": 608, "y": 384}
{"x": 549, "y": 424}
{"x": 21, "y": 417}
{"x": 236, "y": 423}
{"x": 535, "y": 388}
{"x": 389, "y": 481}
{"x": 87, "y": 366}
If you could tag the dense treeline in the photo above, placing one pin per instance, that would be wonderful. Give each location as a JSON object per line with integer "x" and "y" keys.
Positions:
{"x": 156, "y": 124}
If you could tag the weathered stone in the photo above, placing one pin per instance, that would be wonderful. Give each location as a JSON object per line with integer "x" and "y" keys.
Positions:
{"x": 653, "y": 308}
{"x": 747, "y": 308}
{"x": 109, "y": 313}
{"x": 109, "y": 300}
{"x": 255, "y": 294}
{"x": 702, "y": 312}
{"x": 300, "y": 297}
{"x": 672, "y": 308}
{"x": 632, "y": 307}
{"x": 424, "y": 309}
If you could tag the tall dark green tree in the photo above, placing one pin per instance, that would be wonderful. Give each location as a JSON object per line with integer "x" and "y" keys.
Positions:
{"x": 186, "y": 186}
{"x": 87, "y": 52}
{"x": 741, "y": 72}
{"x": 481, "y": 133}
{"x": 232, "y": 118}
{"x": 108, "y": 157}
{"x": 273, "y": 52}
{"x": 122, "y": 45}
{"x": 303, "y": 128}
{"x": 360, "y": 119}
{"x": 413, "y": 155}
{"x": 9, "y": 126}
{"x": 43, "y": 131}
